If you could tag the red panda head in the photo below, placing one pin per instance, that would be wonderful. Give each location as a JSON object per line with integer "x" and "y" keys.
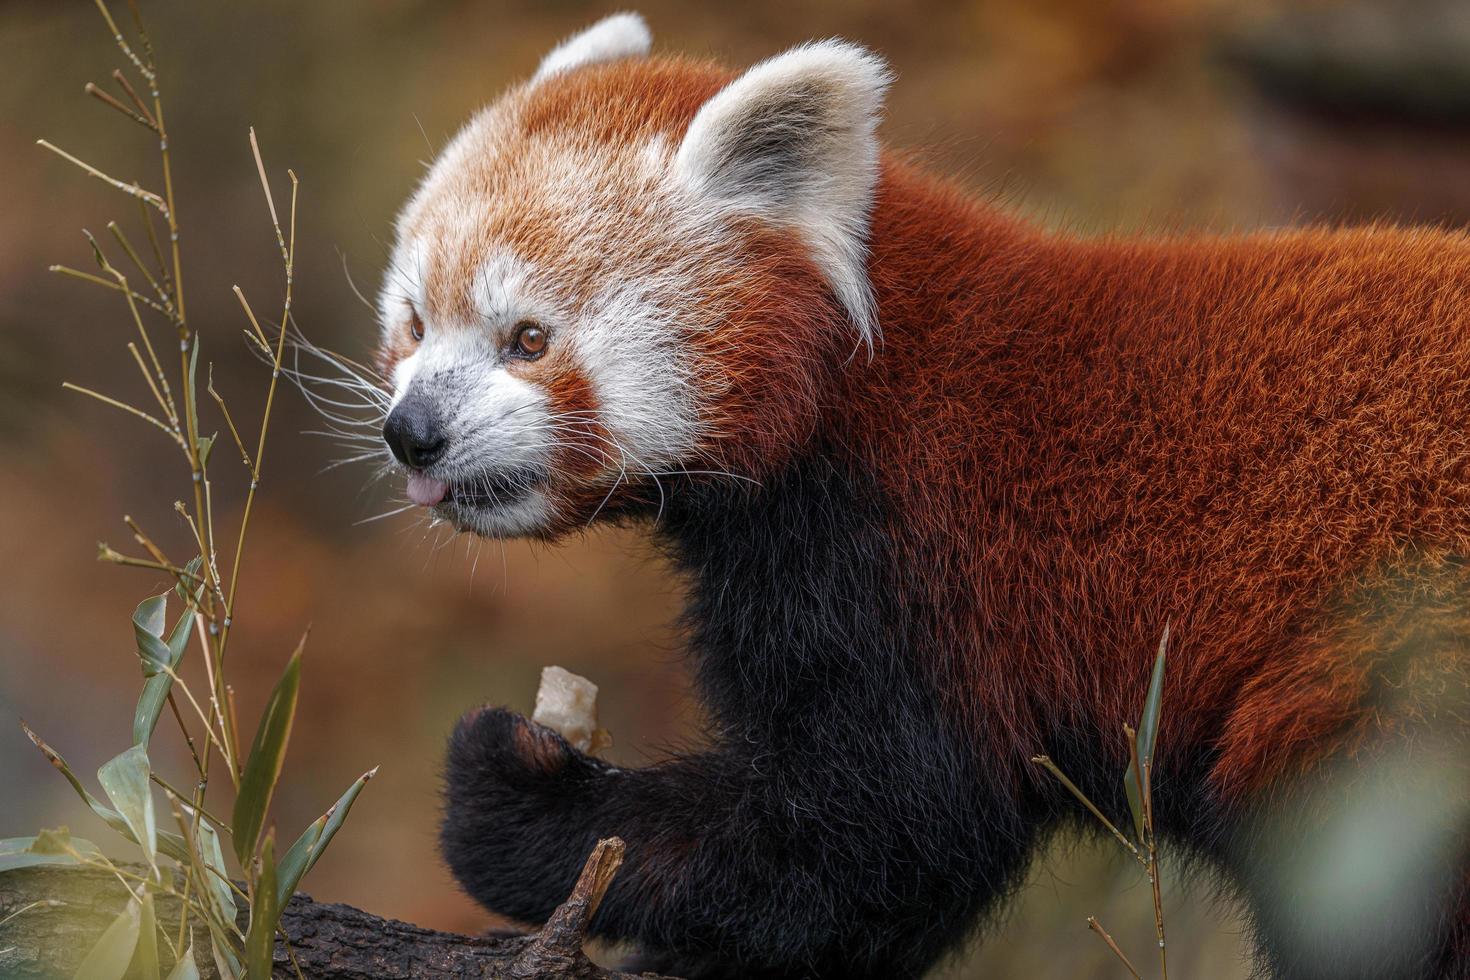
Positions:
{"x": 627, "y": 269}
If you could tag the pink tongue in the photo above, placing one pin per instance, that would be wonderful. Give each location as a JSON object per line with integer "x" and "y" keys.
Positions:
{"x": 424, "y": 491}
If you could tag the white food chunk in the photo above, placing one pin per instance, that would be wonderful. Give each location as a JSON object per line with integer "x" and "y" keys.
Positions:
{"x": 568, "y": 703}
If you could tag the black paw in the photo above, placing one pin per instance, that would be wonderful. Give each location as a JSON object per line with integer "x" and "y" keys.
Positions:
{"x": 516, "y": 813}
{"x": 495, "y": 748}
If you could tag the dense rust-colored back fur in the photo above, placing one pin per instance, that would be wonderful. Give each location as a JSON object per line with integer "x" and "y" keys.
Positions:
{"x": 1091, "y": 437}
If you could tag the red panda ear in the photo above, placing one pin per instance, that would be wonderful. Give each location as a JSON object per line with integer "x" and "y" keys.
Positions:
{"x": 792, "y": 140}
{"x": 618, "y": 36}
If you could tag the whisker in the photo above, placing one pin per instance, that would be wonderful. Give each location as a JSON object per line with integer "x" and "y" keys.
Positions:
{"x": 352, "y": 285}
{"x": 379, "y": 517}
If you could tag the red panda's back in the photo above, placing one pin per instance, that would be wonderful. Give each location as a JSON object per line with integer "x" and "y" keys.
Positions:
{"x": 1262, "y": 439}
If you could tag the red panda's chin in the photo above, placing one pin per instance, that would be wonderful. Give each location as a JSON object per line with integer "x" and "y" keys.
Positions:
{"x": 528, "y": 513}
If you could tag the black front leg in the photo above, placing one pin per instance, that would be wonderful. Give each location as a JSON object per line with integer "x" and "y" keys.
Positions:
{"x": 736, "y": 865}
{"x": 844, "y": 825}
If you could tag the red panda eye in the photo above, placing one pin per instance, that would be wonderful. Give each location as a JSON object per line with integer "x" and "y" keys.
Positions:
{"x": 415, "y": 326}
{"x": 530, "y": 341}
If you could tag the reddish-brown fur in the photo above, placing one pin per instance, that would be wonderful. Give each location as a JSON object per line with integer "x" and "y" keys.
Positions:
{"x": 1237, "y": 434}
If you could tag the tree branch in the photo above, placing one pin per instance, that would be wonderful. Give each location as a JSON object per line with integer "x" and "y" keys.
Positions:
{"x": 330, "y": 941}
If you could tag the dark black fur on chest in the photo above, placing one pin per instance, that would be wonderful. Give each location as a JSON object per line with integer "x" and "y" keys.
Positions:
{"x": 838, "y": 826}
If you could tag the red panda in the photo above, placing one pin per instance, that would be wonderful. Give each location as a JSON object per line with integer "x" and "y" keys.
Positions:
{"x": 938, "y": 480}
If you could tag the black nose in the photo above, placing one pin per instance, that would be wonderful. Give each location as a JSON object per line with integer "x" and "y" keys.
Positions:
{"x": 413, "y": 433}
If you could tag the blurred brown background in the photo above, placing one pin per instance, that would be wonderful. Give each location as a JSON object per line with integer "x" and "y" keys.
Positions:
{"x": 1087, "y": 114}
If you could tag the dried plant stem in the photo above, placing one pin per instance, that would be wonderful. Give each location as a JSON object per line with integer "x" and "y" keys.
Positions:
{"x": 1096, "y": 927}
{"x": 288, "y": 257}
{"x": 142, "y": 107}
{"x": 165, "y": 279}
{"x": 1153, "y": 867}
{"x": 213, "y": 651}
{"x": 183, "y": 575}
{"x": 1046, "y": 763}
{"x": 144, "y": 540}
{"x": 208, "y": 728}
{"x": 157, "y": 553}
{"x": 170, "y": 409}
{"x": 165, "y": 395}
{"x": 151, "y": 420}
{"x": 232, "y": 717}
{"x": 144, "y": 69}
{"x": 184, "y": 730}
{"x": 106, "y": 283}
{"x": 229, "y": 420}
{"x": 108, "y": 100}
{"x": 132, "y": 255}
{"x": 1142, "y": 781}
{"x": 216, "y": 715}
{"x": 147, "y": 377}
{"x": 131, "y": 189}
{"x": 254, "y": 323}
{"x": 1138, "y": 785}
{"x": 172, "y": 791}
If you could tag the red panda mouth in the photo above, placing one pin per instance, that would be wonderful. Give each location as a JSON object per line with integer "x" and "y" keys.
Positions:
{"x": 495, "y": 489}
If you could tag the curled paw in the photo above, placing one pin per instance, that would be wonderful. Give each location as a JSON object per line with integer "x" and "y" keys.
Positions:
{"x": 515, "y": 797}
{"x": 493, "y": 746}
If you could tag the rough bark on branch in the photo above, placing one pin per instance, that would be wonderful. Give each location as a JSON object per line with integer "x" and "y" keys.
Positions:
{"x": 329, "y": 941}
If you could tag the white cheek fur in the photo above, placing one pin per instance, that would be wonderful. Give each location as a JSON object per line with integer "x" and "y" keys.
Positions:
{"x": 403, "y": 373}
{"x": 631, "y": 352}
{"x": 500, "y": 421}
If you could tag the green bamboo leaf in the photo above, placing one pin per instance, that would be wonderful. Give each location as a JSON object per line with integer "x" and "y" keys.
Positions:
{"x": 226, "y": 963}
{"x": 263, "y": 766}
{"x": 191, "y": 399}
{"x": 1148, "y": 725}
{"x": 147, "y": 955}
{"x": 265, "y": 912}
{"x": 148, "y": 633}
{"x": 303, "y": 854}
{"x": 221, "y": 896}
{"x": 1135, "y": 802}
{"x": 113, "y": 818}
{"x": 194, "y": 573}
{"x": 50, "y": 847}
{"x": 206, "y": 445}
{"x": 1148, "y": 730}
{"x": 169, "y": 843}
{"x": 113, "y": 951}
{"x": 125, "y": 781}
{"x": 157, "y": 687}
{"x": 185, "y": 968}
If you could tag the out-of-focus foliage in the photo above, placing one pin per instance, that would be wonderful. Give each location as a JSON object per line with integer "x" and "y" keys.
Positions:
{"x": 1085, "y": 114}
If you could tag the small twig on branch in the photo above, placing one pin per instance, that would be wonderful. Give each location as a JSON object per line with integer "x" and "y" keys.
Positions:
{"x": 559, "y": 944}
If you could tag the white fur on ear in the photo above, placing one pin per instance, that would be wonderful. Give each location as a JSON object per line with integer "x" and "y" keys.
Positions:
{"x": 618, "y": 36}
{"x": 793, "y": 141}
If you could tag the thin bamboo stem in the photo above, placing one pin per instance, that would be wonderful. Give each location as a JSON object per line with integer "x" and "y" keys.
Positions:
{"x": 1096, "y": 927}
{"x": 151, "y": 420}
{"x": 1046, "y": 763}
